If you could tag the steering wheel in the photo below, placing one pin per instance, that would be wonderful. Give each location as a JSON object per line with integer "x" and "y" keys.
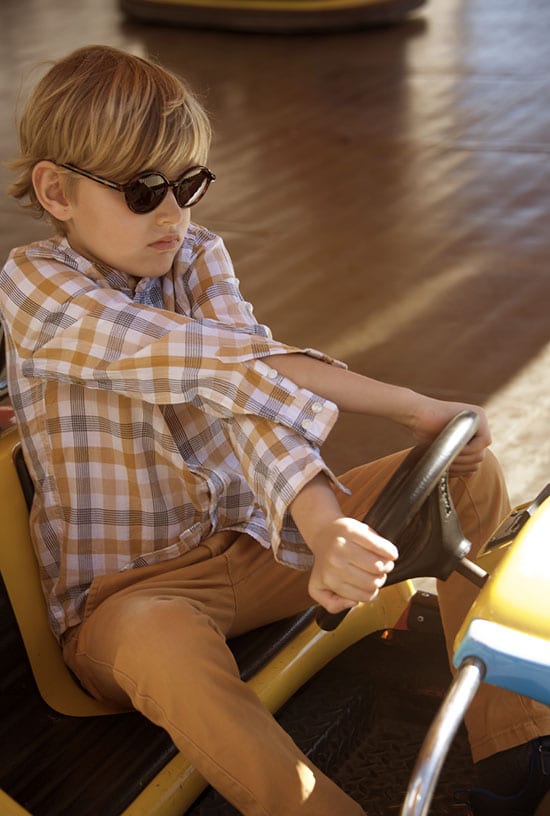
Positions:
{"x": 416, "y": 512}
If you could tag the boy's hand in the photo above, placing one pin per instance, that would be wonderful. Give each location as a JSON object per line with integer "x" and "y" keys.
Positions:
{"x": 351, "y": 559}
{"x": 430, "y": 417}
{"x": 351, "y": 564}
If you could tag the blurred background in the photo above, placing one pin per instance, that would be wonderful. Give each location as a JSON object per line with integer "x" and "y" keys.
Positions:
{"x": 384, "y": 192}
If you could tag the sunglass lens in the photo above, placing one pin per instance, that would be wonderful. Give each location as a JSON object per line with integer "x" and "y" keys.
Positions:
{"x": 146, "y": 193}
{"x": 191, "y": 189}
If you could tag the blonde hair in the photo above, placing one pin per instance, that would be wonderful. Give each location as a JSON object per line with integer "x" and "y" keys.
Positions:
{"x": 112, "y": 114}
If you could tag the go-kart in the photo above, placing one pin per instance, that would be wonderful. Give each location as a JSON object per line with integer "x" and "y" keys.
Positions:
{"x": 504, "y": 640}
{"x": 65, "y": 753}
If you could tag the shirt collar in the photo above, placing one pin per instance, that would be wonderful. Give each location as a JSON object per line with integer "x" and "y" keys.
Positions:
{"x": 102, "y": 273}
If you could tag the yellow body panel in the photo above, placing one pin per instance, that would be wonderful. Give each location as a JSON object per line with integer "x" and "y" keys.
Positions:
{"x": 9, "y": 807}
{"x": 517, "y": 593}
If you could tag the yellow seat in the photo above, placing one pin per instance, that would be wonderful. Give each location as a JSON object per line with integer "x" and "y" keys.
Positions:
{"x": 20, "y": 573}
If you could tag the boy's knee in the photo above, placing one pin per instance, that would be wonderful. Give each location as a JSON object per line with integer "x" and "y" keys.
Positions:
{"x": 157, "y": 617}
{"x": 481, "y": 500}
{"x": 133, "y": 624}
{"x": 491, "y": 467}
{"x": 486, "y": 484}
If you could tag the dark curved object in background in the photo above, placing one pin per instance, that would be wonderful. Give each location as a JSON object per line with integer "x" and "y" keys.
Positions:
{"x": 273, "y": 16}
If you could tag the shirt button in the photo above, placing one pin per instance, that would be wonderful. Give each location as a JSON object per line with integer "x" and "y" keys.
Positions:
{"x": 306, "y": 423}
{"x": 271, "y": 374}
{"x": 316, "y": 407}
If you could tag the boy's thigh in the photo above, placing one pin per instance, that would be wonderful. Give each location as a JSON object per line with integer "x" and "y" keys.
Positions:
{"x": 481, "y": 501}
{"x": 137, "y": 636}
{"x": 187, "y": 612}
{"x": 265, "y": 590}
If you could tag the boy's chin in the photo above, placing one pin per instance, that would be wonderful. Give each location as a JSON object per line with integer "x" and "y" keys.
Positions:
{"x": 155, "y": 270}
{"x": 158, "y": 272}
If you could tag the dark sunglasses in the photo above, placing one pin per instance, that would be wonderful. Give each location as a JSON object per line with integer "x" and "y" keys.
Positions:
{"x": 144, "y": 193}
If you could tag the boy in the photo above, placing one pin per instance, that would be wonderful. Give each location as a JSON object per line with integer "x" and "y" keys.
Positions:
{"x": 173, "y": 443}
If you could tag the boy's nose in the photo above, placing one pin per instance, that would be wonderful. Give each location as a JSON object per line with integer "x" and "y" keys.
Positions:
{"x": 169, "y": 211}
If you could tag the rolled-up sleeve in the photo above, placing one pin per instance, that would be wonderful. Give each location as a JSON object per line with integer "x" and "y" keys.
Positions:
{"x": 280, "y": 455}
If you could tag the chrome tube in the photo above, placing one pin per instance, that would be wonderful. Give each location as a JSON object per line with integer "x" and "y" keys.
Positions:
{"x": 440, "y": 736}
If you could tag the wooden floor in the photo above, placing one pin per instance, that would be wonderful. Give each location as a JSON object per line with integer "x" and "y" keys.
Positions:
{"x": 385, "y": 194}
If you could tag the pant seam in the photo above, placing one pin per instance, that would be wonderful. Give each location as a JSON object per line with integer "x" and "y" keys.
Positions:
{"x": 473, "y": 503}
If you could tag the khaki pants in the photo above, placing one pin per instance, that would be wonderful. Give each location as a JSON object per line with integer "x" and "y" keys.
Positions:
{"x": 155, "y": 638}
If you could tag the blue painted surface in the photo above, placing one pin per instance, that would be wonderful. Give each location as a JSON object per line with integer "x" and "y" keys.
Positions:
{"x": 513, "y": 660}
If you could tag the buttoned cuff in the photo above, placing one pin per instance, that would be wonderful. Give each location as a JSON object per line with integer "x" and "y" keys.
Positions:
{"x": 307, "y": 413}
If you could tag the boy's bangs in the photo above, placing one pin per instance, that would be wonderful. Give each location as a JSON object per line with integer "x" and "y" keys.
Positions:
{"x": 168, "y": 132}
{"x": 171, "y": 157}
{"x": 182, "y": 142}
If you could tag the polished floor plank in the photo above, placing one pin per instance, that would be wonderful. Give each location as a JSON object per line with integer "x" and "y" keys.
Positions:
{"x": 384, "y": 194}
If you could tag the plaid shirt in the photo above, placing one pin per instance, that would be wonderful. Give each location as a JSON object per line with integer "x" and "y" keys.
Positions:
{"x": 149, "y": 414}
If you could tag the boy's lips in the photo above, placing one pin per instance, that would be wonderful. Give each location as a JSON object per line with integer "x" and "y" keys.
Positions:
{"x": 167, "y": 243}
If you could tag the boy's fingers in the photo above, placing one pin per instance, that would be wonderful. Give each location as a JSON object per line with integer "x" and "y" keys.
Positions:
{"x": 332, "y": 602}
{"x": 462, "y": 466}
{"x": 354, "y": 583}
{"x": 468, "y": 461}
{"x": 359, "y": 565}
{"x": 345, "y": 599}
{"x": 355, "y": 579}
{"x": 369, "y": 540}
{"x": 353, "y": 568}
{"x": 482, "y": 438}
{"x": 473, "y": 450}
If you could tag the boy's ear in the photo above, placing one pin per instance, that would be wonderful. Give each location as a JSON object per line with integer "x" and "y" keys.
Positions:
{"x": 49, "y": 187}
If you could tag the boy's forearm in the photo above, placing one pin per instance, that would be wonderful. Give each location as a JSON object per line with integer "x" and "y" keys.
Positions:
{"x": 314, "y": 508}
{"x": 424, "y": 416}
{"x": 348, "y": 390}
